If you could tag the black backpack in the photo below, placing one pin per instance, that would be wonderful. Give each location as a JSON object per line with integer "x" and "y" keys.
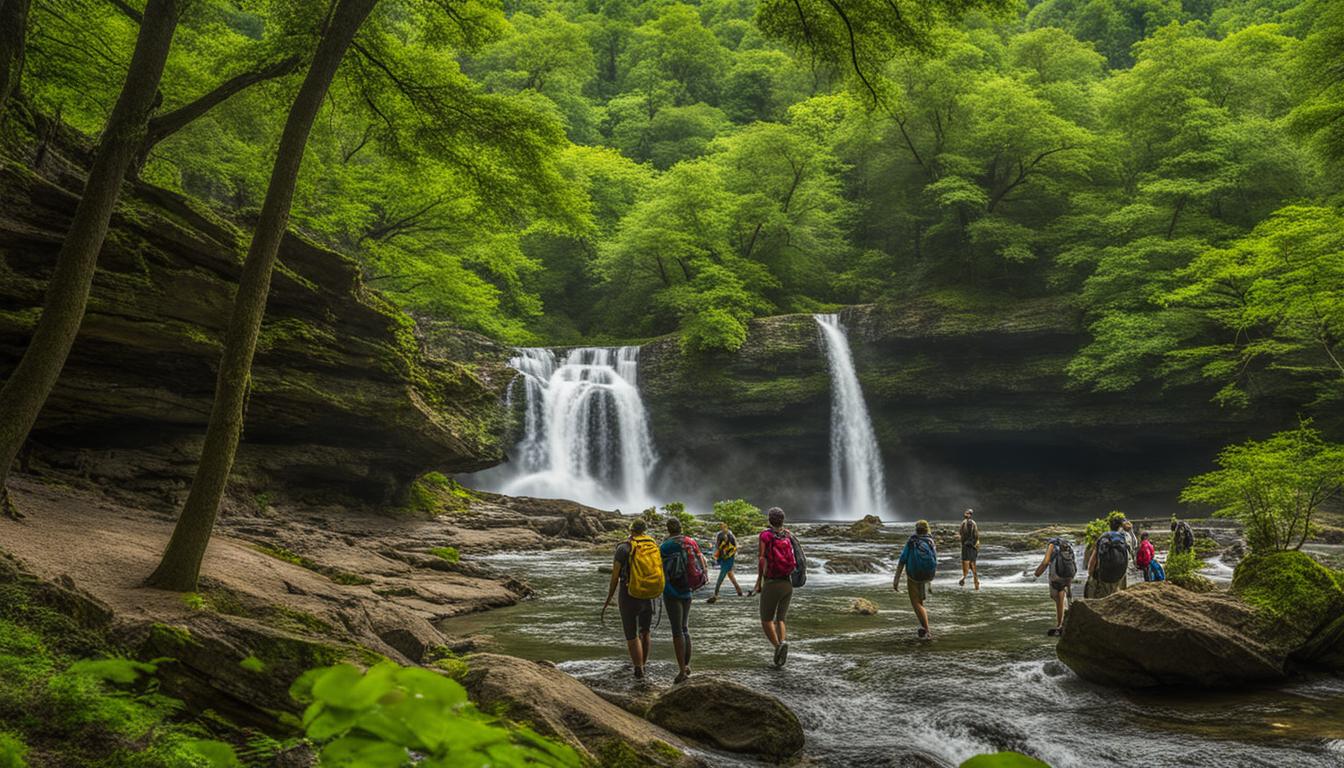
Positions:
{"x": 799, "y": 576}
{"x": 1185, "y": 536}
{"x": 1112, "y": 556}
{"x": 1066, "y": 567}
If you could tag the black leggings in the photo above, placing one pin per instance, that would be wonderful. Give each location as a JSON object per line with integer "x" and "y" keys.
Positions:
{"x": 635, "y": 613}
{"x": 679, "y": 617}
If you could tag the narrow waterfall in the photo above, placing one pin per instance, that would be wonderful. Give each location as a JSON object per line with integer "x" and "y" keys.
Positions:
{"x": 857, "y": 484}
{"x": 586, "y": 435}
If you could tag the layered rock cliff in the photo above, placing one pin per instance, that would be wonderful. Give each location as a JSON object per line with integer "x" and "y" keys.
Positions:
{"x": 971, "y": 404}
{"x": 349, "y": 398}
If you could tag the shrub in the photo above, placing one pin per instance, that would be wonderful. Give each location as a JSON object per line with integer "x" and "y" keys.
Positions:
{"x": 1181, "y": 564}
{"x": 743, "y": 518}
{"x": 1290, "y": 587}
{"x": 1099, "y": 526}
{"x": 1273, "y": 486}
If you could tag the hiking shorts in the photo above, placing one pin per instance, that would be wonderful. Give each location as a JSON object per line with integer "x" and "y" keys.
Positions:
{"x": 1061, "y": 585}
{"x": 919, "y": 588}
{"x": 776, "y": 594}
{"x": 1107, "y": 588}
{"x": 636, "y": 614}
{"x": 726, "y": 564}
{"x": 678, "y": 611}
{"x": 969, "y": 553}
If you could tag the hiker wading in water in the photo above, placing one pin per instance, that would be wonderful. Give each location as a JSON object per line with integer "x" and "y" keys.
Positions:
{"x": 684, "y": 567}
{"x": 1109, "y": 563}
{"x": 725, "y": 554}
{"x": 970, "y": 547}
{"x": 1059, "y": 560}
{"x": 778, "y": 566}
{"x": 636, "y": 581}
{"x": 919, "y": 559}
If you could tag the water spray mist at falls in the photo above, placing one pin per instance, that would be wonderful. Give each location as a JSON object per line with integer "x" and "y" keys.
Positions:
{"x": 857, "y": 485}
{"x": 585, "y": 435}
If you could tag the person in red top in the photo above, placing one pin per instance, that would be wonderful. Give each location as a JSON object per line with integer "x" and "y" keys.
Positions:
{"x": 1145, "y": 556}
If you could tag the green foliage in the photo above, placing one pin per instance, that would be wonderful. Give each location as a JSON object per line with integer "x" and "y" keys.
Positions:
{"x": 1183, "y": 564}
{"x": 449, "y": 554}
{"x": 1273, "y": 486}
{"x": 1101, "y": 525}
{"x": 743, "y": 518}
{"x": 1004, "y": 760}
{"x": 12, "y": 751}
{"x": 379, "y": 717}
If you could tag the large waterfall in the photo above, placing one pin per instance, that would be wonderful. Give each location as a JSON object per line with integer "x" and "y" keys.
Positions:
{"x": 585, "y": 435}
{"x": 857, "y": 484}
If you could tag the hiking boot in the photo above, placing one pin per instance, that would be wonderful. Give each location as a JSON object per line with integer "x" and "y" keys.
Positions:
{"x": 681, "y": 676}
{"x": 977, "y": 583}
{"x": 962, "y": 583}
{"x": 739, "y": 591}
{"x": 712, "y": 600}
{"x": 639, "y": 673}
{"x": 1054, "y": 631}
{"x": 781, "y": 654}
{"x": 923, "y": 634}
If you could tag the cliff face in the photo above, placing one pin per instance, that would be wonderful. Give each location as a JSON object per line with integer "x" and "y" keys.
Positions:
{"x": 971, "y": 405}
{"x": 348, "y": 397}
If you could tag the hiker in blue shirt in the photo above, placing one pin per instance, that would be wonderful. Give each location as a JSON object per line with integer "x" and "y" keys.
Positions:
{"x": 919, "y": 559}
{"x": 684, "y": 567}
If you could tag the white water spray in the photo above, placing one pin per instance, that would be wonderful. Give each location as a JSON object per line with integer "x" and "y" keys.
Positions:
{"x": 586, "y": 435}
{"x": 857, "y": 484}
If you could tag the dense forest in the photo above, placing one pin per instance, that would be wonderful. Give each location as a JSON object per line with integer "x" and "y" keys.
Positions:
{"x": 620, "y": 170}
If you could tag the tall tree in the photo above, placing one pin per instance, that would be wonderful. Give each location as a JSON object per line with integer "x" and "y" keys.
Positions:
{"x": 181, "y": 564}
{"x": 13, "y": 24}
{"x": 28, "y": 386}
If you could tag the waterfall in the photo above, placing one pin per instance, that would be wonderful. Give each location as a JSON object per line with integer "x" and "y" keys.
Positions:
{"x": 857, "y": 485}
{"x": 586, "y": 435}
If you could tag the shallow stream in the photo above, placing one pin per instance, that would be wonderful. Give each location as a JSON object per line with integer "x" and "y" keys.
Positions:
{"x": 869, "y": 693}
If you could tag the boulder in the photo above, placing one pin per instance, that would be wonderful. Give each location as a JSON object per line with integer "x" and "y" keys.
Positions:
{"x": 729, "y": 716}
{"x": 853, "y": 564}
{"x": 555, "y": 704}
{"x": 1157, "y": 634}
{"x": 863, "y": 607}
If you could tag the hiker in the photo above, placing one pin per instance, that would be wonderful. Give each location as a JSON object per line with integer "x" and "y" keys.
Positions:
{"x": 1131, "y": 541}
{"x": 1146, "y": 555}
{"x": 780, "y": 567}
{"x": 1060, "y": 562}
{"x": 919, "y": 559}
{"x": 637, "y": 571}
{"x": 1182, "y": 538}
{"x": 970, "y": 547}
{"x": 725, "y": 554}
{"x": 684, "y": 569}
{"x": 1109, "y": 562}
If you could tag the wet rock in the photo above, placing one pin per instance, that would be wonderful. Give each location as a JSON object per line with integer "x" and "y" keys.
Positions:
{"x": 853, "y": 564}
{"x": 729, "y": 716}
{"x": 863, "y": 607}
{"x": 1234, "y": 553}
{"x": 604, "y": 568}
{"x": 555, "y": 704}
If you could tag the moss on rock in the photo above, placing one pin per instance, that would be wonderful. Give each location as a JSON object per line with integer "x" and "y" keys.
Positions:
{"x": 1290, "y": 587}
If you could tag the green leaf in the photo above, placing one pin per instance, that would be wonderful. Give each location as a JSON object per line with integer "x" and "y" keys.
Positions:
{"x": 1004, "y": 760}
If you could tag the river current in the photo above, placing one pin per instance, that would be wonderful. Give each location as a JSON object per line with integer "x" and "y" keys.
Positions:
{"x": 869, "y": 693}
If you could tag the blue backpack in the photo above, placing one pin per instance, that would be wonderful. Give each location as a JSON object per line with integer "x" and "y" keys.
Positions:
{"x": 923, "y": 560}
{"x": 1155, "y": 571}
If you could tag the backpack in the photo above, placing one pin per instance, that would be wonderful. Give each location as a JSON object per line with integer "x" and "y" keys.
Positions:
{"x": 1112, "y": 556}
{"x": 683, "y": 569}
{"x": 798, "y": 577}
{"x": 1066, "y": 567}
{"x": 1184, "y": 536}
{"x": 645, "y": 569}
{"x": 1156, "y": 572}
{"x": 967, "y": 532}
{"x": 728, "y": 550}
{"x": 780, "y": 557}
{"x": 923, "y": 562}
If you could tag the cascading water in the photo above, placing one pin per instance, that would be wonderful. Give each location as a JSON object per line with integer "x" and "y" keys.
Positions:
{"x": 857, "y": 484}
{"x": 586, "y": 435}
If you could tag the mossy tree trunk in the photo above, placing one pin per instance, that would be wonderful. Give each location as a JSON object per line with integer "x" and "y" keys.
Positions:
{"x": 13, "y": 25}
{"x": 181, "y": 564}
{"x": 27, "y": 389}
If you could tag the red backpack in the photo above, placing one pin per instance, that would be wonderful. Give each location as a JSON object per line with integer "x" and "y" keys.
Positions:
{"x": 779, "y": 559}
{"x": 695, "y": 574}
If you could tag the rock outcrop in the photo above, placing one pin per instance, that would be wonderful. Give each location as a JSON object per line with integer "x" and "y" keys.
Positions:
{"x": 729, "y": 716}
{"x": 348, "y": 398}
{"x": 853, "y": 564}
{"x": 555, "y": 704}
{"x": 971, "y": 403}
{"x": 1282, "y": 617}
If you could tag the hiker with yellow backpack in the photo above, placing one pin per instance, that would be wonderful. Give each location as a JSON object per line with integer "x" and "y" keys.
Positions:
{"x": 725, "y": 554}
{"x": 637, "y": 571}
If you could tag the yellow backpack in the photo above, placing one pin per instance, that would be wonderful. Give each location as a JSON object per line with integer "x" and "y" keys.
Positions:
{"x": 646, "y": 569}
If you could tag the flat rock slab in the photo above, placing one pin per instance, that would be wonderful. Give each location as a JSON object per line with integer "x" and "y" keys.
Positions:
{"x": 729, "y": 716}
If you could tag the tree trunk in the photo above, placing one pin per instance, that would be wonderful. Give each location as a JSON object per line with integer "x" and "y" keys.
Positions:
{"x": 68, "y": 292}
{"x": 13, "y": 25}
{"x": 181, "y": 564}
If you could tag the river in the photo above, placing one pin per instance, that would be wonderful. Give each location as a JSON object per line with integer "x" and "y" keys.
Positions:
{"x": 869, "y": 693}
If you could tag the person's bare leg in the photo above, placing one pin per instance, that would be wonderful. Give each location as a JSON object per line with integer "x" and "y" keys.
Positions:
{"x": 644, "y": 643}
{"x": 679, "y": 650}
{"x": 636, "y": 649}
{"x": 965, "y": 565}
{"x": 920, "y": 612}
{"x": 975, "y": 574}
{"x": 770, "y": 632}
{"x": 1059, "y": 609}
{"x": 732, "y": 576}
{"x": 781, "y": 631}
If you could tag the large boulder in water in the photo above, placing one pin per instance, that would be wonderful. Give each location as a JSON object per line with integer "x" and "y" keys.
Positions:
{"x": 853, "y": 564}
{"x": 729, "y": 716}
{"x": 1283, "y": 615}
{"x": 555, "y": 704}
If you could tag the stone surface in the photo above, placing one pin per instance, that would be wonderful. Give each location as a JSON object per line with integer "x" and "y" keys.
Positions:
{"x": 557, "y": 705}
{"x": 853, "y": 564}
{"x": 729, "y": 716}
{"x": 348, "y": 399}
{"x": 863, "y": 607}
